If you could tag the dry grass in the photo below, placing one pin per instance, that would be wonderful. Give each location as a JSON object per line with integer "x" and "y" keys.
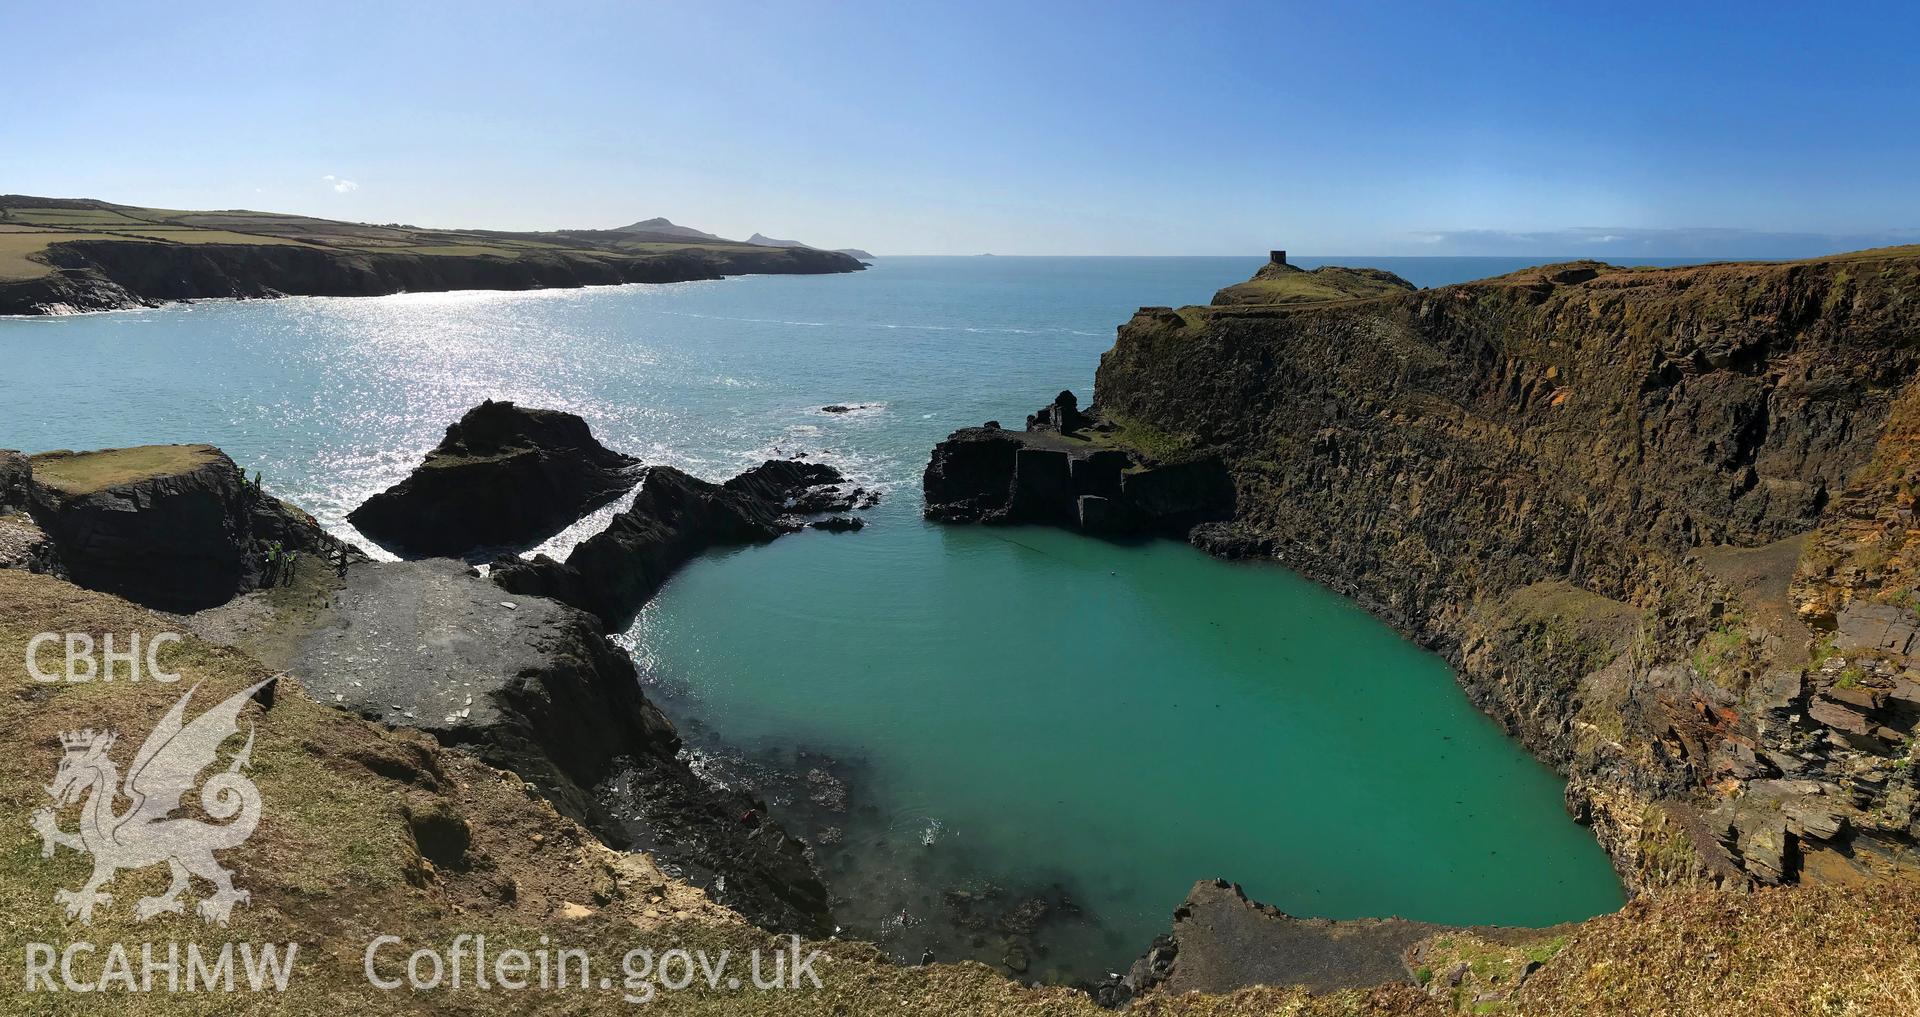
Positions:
{"x": 85, "y": 472}
{"x": 335, "y": 862}
{"x": 17, "y": 251}
{"x": 1788, "y": 952}
{"x": 1285, "y": 284}
{"x": 28, "y": 226}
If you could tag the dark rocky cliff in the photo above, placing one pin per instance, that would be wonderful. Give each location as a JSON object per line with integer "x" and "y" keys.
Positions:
{"x": 95, "y": 275}
{"x": 175, "y": 527}
{"x": 673, "y": 518}
{"x": 1590, "y": 487}
{"x": 1073, "y": 469}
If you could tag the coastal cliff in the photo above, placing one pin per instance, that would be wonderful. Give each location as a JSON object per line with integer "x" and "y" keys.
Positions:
{"x": 1657, "y": 519}
{"x": 62, "y": 255}
{"x": 526, "y": 684}
{"x": 102, "y": 275}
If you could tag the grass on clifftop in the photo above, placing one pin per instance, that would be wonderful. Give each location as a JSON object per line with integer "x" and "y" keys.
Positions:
{"x": 30, "y": 225}
{"x": 86, "y": 472}
{"x": 1286, "y": 284}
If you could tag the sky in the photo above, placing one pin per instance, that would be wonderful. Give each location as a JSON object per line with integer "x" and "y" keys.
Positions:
{"x": 1748, "y": 129}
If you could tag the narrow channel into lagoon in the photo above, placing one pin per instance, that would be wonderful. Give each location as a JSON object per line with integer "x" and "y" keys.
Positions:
{"x": 1013, "y": 714}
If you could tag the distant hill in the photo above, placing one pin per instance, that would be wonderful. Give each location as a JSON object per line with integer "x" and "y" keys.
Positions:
{"x": 763, "y": 240}
{"x": 660, "y": 226}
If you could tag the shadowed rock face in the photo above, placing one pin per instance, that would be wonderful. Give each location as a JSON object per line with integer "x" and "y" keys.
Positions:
{"x": 533, "y": 686}
{"x": 1590, "y": 487}
{"x": 15, "y": 477}
{"x": 108, "y": 274}
{"x": 777, "y": 482}
{"x": 504, "y": 476}
{"x": 673, "y": 518}
{"x": 1061, "y": 472}
{"x": 188, "y": 537}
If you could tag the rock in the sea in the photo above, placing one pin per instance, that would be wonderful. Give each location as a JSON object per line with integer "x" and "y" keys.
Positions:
{"x": 782, "y": 481}
{"x": 174, "y": 527}
{"x": 504, "y": 476}
{"x": 673, "y": 517}
{"x": 970, "y": 476}
{"x": 839, "y": 524}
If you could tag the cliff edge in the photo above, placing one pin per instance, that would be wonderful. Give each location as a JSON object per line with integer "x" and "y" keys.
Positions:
{"x": 1658, "y": 519}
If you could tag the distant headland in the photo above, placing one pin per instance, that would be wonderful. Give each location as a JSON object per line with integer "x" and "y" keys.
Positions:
{"x": 64, "y": 255}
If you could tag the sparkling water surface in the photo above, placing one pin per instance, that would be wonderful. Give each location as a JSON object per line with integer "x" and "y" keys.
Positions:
{"x": 1015, "y": 713}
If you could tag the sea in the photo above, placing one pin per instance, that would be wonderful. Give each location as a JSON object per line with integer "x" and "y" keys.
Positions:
{"x": 1016, "y": 745}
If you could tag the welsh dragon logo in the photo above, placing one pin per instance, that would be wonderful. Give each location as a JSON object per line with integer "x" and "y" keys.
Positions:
{"x": 147, "y": 832}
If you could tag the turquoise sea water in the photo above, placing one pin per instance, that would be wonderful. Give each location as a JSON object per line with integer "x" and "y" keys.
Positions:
{"x": 1015, "y": 712}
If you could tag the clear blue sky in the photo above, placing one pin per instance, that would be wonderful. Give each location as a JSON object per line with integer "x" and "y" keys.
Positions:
{"x": 1032, "y": 127}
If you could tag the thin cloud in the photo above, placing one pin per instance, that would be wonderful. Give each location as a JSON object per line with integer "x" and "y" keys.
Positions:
{"x": 1678, "y": 242}
{"x": 340, "y": 185}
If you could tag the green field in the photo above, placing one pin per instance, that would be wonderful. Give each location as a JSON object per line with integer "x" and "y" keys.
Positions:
{"x": 85, "y": 472}
{"x": 30, "y": 225}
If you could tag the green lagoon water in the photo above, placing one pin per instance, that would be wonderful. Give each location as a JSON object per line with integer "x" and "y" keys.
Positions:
{"x": 1014, "y": 712}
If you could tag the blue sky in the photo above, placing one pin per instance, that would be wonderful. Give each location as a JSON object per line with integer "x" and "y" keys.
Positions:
{"x": 1738, "y": 129}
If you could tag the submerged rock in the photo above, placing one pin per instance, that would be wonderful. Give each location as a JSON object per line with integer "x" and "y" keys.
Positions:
{"x": 504, "y": 476}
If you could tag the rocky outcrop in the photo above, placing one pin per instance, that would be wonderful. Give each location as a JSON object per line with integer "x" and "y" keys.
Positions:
{"x": 504, "y": 476}
{"x": 97, "y": 275}
{"x": 174, "y": 527}
{"x": 1589, "y": 488}
{"x": 23, "y": 545}
{"x": 673, "y": 518}
{"x": 16, "y": 477}
{"x": 1067, "y": 470}
{"x": 534, "y": 686}
{"x": 1281, "y": 283}
{"x": 1221, "y": 941}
